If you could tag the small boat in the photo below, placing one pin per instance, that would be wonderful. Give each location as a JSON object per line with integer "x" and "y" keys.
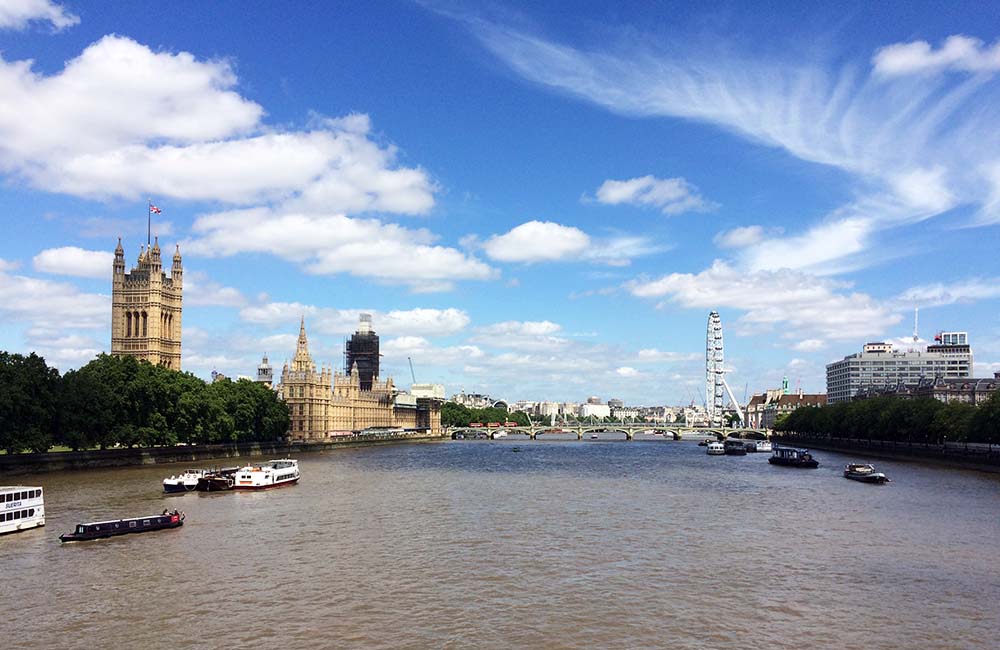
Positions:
{"x": 99, "y": 529}
{"x": 21, "y": 507}
{"x": 759, "y": 445}
{"x": 715, "y": 448}
{"x": 594, "y": 436}
{"x": 185, "y": 482}
{"x": 273, "y": 473}
{"x": 218, "y": 480}
{"x": 793, "y": 457}
{"x": 706, "y": 442}
{"x": 865, "y": 473}
{"x": 499, "y": 434}
{"x": 734, "y": 447}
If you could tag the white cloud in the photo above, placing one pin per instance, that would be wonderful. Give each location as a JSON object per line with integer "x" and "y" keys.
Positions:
{"x": 958, "y": 52}
{"x": 521, "y": 335}
{"x": 201, "y": 291}
{"x": 809, "y": 345}
{"x": 123, "y": 120}
{"x": 331, "y": 244}
{"x": 626, "y": 371}
{"x": 71, "y": 260}
{"x": 940, "y": 293}
{"x": 739, "y": 237}
{"x": 340, "y": 322}
{"x": 537, "y": 241}
{"x": 916, "y": 148}
{"x": 652, "y": 355}
{"x": 51, "y": 306}
{"x": 670, "y": 195}
{"x": 796, "y": 301}
{"x": 7, "y": 265}
{"x": 17, "y": 14}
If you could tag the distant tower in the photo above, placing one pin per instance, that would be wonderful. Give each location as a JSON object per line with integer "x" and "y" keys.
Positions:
{"x": 714, "y": 370}
{"x": 146, "y": 308}
{"x": 784, "y": 385}
{"x": 361, "y": 353}
{"x": 265, "y": 374}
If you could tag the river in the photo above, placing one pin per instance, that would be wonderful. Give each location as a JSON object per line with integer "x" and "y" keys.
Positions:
{"x": 469, "y": 544}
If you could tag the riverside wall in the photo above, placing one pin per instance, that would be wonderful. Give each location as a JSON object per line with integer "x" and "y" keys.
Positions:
{"x": 81, "y": 460}
{"x": 977, "y": 456}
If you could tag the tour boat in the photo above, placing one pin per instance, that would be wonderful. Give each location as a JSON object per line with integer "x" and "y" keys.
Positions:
{"x": 759, "y": 445}
{"x": 218, "y": 480}
{"x": 865, "y": 473}
{"x": 273, "y": 473}
{"x": 21, "y": 507}
{"x": 594, "y": 436}
{"x": 715, "y": 448}
{"x": 792, "y": 457}
{"x": 99, "y": 529}
{"x": 185, "y": 482}
{"x": 499, "y": 434}
{"x": 734, "y": 447}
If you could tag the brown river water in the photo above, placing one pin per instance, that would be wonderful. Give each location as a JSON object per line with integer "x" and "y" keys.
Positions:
{"x": 565, "y": 544}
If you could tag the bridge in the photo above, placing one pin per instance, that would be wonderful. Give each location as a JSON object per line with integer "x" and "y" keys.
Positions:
{"x": 629, "y": 429}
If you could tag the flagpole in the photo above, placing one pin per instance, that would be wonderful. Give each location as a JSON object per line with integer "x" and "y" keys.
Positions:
{"x": 149, "y": 219}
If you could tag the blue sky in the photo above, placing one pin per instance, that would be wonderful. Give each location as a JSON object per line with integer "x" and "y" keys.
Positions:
{"x": 538, "y": 201}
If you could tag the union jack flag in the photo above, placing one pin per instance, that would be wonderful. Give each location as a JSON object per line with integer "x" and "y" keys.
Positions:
{"x": 154, "y": 210}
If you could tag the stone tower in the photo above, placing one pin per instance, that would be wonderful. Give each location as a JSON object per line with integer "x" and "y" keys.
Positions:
{"x": 146, "y": 308}
{"x": 306, "y": 391}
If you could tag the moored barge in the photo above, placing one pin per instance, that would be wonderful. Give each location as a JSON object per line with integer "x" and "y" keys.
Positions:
{"x": 793, "y": 457}
{"x": 273, "y": 473}
{"x": 111, "y": 528}
{"x": 21, "y": 507}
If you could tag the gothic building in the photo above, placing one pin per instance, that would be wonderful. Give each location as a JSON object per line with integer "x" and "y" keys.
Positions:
{"x": 146, "y": 308}
{"x": 323, "y": 404}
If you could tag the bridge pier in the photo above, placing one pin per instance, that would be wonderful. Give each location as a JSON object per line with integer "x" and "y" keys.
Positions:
{"x": 579, "y": 434}
{"x": 533, "y": 435}
{"x": 628, "y": 435}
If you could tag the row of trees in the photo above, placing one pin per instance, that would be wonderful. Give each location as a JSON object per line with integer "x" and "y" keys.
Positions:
{"x": 457, "y": 415}
{"x": 120, "y": 401}
{"x": 923, "y": 420}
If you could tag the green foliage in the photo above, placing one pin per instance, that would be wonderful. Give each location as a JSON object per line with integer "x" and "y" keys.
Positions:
{"x": 886, "y": 418}
{"x": 125, "y": 402}
{"x": 456, "y": 415}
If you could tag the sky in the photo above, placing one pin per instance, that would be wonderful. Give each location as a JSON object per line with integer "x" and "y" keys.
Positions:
{"x": 537, "y": 201}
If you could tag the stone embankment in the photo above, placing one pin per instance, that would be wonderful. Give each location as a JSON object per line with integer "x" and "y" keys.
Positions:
{"x": 94, "y": 459}
{"x": 978, "y": 456}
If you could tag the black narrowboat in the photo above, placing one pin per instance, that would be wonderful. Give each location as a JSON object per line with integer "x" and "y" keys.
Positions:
{"x": 734, "y": 447}
{"x": 218, "y": 480}
{"x": 792, "y": 457}
{"x": 100, "y": 529}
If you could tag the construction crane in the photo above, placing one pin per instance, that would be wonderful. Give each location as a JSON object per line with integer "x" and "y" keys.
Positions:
{"x": 412, "y": 376}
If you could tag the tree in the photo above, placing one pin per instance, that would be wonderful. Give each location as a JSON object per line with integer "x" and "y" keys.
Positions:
{"x": 28, "y": 391}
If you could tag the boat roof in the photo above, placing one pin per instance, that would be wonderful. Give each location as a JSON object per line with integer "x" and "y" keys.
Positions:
{"x": 115, "y": 521}
{"x": 13, "y": 488}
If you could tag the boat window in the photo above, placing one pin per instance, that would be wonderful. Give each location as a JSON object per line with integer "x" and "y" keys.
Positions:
{"x": 31, "y": 512}
{"x": 145, "y": 522}
{"x": 79, "y": 529}
{"x": 17, "y": 496}
{"x": 131, "y": 524}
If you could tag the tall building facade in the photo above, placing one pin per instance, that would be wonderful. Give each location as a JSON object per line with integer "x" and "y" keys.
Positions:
{"x": 146, "y": 308}
{"x": 879, "y": 366}
{"x": 361, "y": 350}
{"x": 322, "y": 403}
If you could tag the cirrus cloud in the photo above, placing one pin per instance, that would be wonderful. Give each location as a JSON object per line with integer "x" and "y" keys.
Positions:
{"x": 669, "y": 195}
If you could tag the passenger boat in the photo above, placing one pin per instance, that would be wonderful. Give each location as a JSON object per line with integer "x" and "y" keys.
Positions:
{"x": 218, "y": 480}
{"x": 759, "y": 445}
{"x": 185, "y": 482}
{"x": 99, "y": 529}
{"x": 734, "y": 447}
{"x": 706, "y": 442}
{"x": 793, "y": 457}
{"x": 865, "y": 473}
{"x": 715, "y": 448}
{"x": 594, "y": 436}
{"x": 21, "y": 507}
{"x": 273, "y": 473}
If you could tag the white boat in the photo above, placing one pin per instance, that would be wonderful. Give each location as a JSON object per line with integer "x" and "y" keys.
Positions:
{"x": 187, "y": 481}
{"x": 21, "y": 507}
{"x": 762, "y": 445}
{"x": 273, "y": 473}
{"x": 499, "y": 433}
{"x": 715, "y": 448}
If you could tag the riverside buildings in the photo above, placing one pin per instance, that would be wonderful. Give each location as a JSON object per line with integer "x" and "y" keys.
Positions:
{"x": 879, "y": 366}
{"x": 146, "y": 307}
{"x": 764, "y": 408}
{"x": 323, "y": 404}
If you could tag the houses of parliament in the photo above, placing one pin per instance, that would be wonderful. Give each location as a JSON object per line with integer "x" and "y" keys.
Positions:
{"x": 146, "y": 306}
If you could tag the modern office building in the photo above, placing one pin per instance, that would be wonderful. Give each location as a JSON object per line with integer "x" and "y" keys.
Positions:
{"x": 879, "y": 366}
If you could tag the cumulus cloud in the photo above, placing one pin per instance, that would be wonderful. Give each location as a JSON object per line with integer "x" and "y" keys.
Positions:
{"x": 325, "y": 244}
{"x": 958, "y": 52}
{"x": 537, "y": 241}
{"x": 521, "y": 335}
{"x": 71, "y": 260}
{"x": 739, "y": 237}
{"x": 669, "y": 195}
{"x": 201, "y": 291}
{"x": 940, "y": 293}
{"x": 796, "y": 301}
{"x": 809, "y": 345}
{"x": 52, "y": 306}
{"x": 626, "y": 371}
{"x": 340, "y": 322}
{"x": 652, "y": 355}
{"x": 123, "y": 120}
{"x": 18, "y": 14}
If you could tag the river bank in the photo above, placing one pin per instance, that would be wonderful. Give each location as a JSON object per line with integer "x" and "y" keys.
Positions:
{"x": 981, "y": 457}
{"x": 97, "y": 459}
